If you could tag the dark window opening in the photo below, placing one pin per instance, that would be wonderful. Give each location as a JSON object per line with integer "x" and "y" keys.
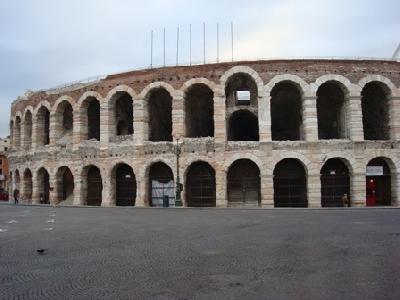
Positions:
{"x": 290, "y": 184}
{"x": 67, "y": 118}
{"x": 243, "y": 126}
{"x": 331, "y": 111}
{"x": 17, "y": 133}
{"x": 28, "y": 187}
{"x": 94, "y": 187}
{"x": 160, "y": 116}
{"x": 375, "y": 110}
{"x": 335, "y": 183}
{"x": 28, "y": 130}
{"x": 43, "y": 126}
{"x": 378, "y": 183}
{"x": 286, "y": 112}
{"x": 161, "y": 184}
{"x": 124, "y": 114}
{"x": 125, "y": 186}
{"x": 199, "y": 111}
{"x": 244, "y": 183}
{"x": 93, "y": 117}
{"x": 44, "y": 186}
{"x": 241, "y": 89}
{"x": 200, "y": 185}
{"x": 65, "y": 185}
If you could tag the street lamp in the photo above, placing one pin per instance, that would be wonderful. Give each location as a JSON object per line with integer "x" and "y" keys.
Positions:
{"x": 178, "y": 200}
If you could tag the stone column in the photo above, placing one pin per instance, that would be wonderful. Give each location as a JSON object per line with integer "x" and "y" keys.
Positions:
{"x": 108, "y": 193}
{"x": 219, "y": 119}
{"x": 178, "y": 118}
{"x": 314, "y": 190}
{"x": 310, "y": 117}
{"x": 54, "y": 128}
{"x": 357, "y": 190}
{"x": 106, "y": 121}
{"x": 22, "y": 188}
{"x": 264, "y": 118}
{"x": 79, "y": 190}
{"x": 355, "y": 123}
{"x": 220, "y": 188}
{"x": 54, "y": 189}
{"x": 267, "y": 191}
{"x": 140, "y": 122}
{"x": 35, "y": 189}
{"x": 34, "y": 132}
{"x": 140, "y": 192}
{"x": 394, "y": 105}
{"x": 77, "y": 134}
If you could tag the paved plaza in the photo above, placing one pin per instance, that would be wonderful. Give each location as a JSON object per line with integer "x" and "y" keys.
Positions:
{"x": 133, "y": 253}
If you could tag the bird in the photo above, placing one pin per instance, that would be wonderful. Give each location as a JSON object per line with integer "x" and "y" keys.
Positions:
{"x": 41, "y": 251}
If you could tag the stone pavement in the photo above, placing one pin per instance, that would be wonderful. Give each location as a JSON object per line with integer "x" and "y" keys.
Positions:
{"x": 133, "y": 253}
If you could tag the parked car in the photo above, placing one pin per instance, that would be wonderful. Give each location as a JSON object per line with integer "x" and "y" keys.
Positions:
{"x": 3, "y": 195}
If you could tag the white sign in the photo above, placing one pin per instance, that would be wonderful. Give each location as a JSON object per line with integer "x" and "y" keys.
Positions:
{"x": 374, "y": 170}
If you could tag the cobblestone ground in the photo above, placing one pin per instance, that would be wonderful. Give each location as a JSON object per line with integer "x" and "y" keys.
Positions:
{"x": 124, "y": 253}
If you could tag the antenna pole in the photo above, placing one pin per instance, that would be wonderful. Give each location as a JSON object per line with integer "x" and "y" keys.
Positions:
{"x": 164, "y": 44}
{"x": 177, "y": 45}
{"x": 190, "y": 44}
{"x": 217, "y": 43}
{"x": 151, "y": 50}
{"x": 204, "y": 42}
{"x": 232, "y": 38}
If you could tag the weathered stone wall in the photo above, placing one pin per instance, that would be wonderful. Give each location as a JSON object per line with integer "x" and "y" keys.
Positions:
{"x": 140, "y": 154}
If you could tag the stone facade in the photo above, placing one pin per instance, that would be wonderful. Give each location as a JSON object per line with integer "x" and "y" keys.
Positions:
{"x": 71, "y": 145}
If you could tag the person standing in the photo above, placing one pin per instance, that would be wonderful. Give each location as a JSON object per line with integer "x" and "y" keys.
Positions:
{"x": 16, "y": 196}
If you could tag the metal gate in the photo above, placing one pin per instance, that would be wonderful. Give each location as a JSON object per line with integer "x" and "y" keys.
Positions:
{"x": 94, "y": 191}
{"x": 160, "y": 188}
{"x": 200, "y": 191}
{"x": 290, "y": 192}
{"x": 125, "y": 186}
{"x": 244, "y": 191}
{"x": 333, "y": 188}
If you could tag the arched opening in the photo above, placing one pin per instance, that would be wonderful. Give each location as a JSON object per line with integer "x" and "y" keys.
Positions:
{"x": 241, "y": 89}
{"x": 331, "y": 109}
{"x": 43, "y": 185}
{"x": 243, "y": 126}
{"x": 28, "y": 130}
{"x": 64, "y": 122}
{"x": 199, "y": 111}
{"x": 160, "y": 115}
{"x": 378, "y": 183}
{"x": 17, "y": 186}
{"x": 123, "y": 114}
{"x": 93, "y": 189}
{"x": 162, "y": 184}
{"x": 65, "y": 185}
{"x": 286, "y": 112}
{"x": 17, "y": 132}
{"x": 244, "y": 184}
{"x": 375, "y": 111}
{"x": 43, "y": 126}
{"x": 125, "y": 185}
{"x": 335, "y": 183}
{"x": 28, "y": 185}
{"x": 290, "y": 184}
{"x": 91, "y": 121}
{"x": 200, "y": 185}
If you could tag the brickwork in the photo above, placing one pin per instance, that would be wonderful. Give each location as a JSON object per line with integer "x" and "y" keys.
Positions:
{"x": 73, "y": 150}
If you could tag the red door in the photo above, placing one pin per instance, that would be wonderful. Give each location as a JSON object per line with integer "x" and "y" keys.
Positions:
{"x": 371, "y": 192}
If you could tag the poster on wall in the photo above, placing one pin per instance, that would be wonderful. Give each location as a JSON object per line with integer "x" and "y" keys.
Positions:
{"x": 374, "y": 170}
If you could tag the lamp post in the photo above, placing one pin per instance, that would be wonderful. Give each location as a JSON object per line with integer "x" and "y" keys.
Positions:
{"x": 178, "y": 200}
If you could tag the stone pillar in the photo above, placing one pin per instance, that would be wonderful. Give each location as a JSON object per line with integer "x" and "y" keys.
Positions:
{"x": 79, "y": 190}
{"x": 357, "y": 189}
{"x": 106, "y": 122}
{"x": 355, "y": 123}
{"x": 314, "y": 190}
{"x": 108, "y": 193}
{"x": 219, "y": 119}
{"x": 394, "y": 105}
{"x": 310, "y": 118}
{"x": 178, "y": 116}
{"x": 140, "y": 122}
{"x": 35, "y": 189}
{"x": 78, "y": 132}
{"x": 34, "y": 132}
{"x": 22, "y": 189}
{"x": 220, "y": 188}
{"x": 396, "y": 189}
{"x": 54, "y": 189}
{"x": 264, "y": 118}
{"x": 140, "y": 192}
{"x": 267, "y": 191}
{"x": 54, "y": 129}
{"x": 17, "y": 134}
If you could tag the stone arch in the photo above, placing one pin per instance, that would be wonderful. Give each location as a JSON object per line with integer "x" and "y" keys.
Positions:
{"x": 210, "y": 84}
{"x": 92, "y": 185}
{"x": 290, "y": 183}
{"x": 160, "y": 183}
{"x": 65, "y": 185}
{"x": 27, "y": 185}
{"x": 43, "y": 103}
{"x": 43, "y": 185}
{"x": 229, "y": 161}
{"x": 145, "y": 93}
{"x": 344, "y": 81}
{"x": 347, "y": 159}
{"x": 59, "y": 101}
{"x": 200, "y": 185}
{"x": 63, "y": 113}
{"x": 123, "y": 184}
{"x": 244, "y": 183}
{"x": 305, "y": 161}
{"x": 245, "y": 70}
{"x": 41, "y": 124}
{"x": 298, "y": 81}
{"x": 378, "y": 78}
{"x": 88, "y": 116}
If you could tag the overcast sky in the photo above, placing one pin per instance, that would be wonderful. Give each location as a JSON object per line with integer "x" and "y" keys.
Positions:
{"x": 44, "y": 43}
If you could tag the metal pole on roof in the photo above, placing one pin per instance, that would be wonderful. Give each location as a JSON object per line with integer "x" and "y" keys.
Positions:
{"x": 396, "y": 53}
{"x": 232, "y": 38}
{"x": 204, "y": 42}
{"x": 151, "y": 50}
{"x": 164, "y": 44}
{"x": 217, "y": 43}
{"x": 177, "y": 45}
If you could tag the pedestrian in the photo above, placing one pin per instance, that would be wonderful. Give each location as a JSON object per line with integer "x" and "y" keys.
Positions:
{"x": 345, "y": 199}
{"x": 16, "y": 196}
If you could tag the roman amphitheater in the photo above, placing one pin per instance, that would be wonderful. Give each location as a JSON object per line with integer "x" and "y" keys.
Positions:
{"x": 270, "y": 133}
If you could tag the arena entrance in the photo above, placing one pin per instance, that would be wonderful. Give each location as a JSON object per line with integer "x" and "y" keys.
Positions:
{"x": 65, "y": 185}
{"x": 162, "y": 185}
{"x": 335, "y": 183}
{"x": 43, "y": 184}
{"x": 290, "y": 184}
{"x": 200, "y": 185}
{"x": 378, "y": 183}
{"x": 28, "y": 185}
{"x": 244, "y": 184}
{"x": 125, "y": 186}
{"x": 94, "y": 187}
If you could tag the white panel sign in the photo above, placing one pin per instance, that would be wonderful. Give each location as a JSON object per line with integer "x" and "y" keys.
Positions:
{"x": 374, "y": 170}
